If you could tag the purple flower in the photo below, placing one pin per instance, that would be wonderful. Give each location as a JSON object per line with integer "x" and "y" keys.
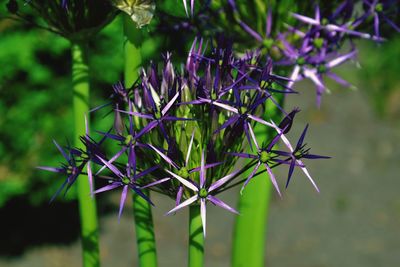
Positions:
{"x": 206, "y": 108}
{"x": 321, "y": 68}
{"x": 72, "y": 170}
{"x": 267, "y": 84}
{"x": 263, "y": 157}
{"x": 242, "y": 116}
{"x": 314, "y": 66}
{"x": 183, "y": 170}
{"x": 296, "y": 57}
{"x": 73, "y": 20}
{"x": 295, "y": 155}
{"x": 129, "y": 142}
{"x": 377, "y": 9}
{"x": 158, "y": 112}
{"x": 126, "y": 180}
{"x": 203, "y": 192}
{"x": 329, "y": 26}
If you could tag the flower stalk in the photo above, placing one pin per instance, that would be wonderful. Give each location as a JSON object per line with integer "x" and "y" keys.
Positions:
{"x": 145, "y": 237}
{"x": 142, "y": 211}
{"x": 249, "y": 245}
{"x": 196, "y": 238}
{"x": 251, "y": 227}
{"x": 87, "y": 203}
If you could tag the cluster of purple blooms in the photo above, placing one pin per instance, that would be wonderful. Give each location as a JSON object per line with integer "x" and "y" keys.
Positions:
{"x": 313, "y": 48}
{"x": 181, "y": 131}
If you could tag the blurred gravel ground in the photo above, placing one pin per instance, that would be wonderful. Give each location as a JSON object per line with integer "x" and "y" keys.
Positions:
{"x": 353, "y": 222}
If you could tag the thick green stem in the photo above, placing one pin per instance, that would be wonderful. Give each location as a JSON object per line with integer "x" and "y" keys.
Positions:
{"x": 87, "y": 204}
{"x": 196, "y": 238}
{"x": 251, "y": 226}
{"x": 133, "y": 57}
{"x": 142, "y": 211}
{"x": 145, "y": 237}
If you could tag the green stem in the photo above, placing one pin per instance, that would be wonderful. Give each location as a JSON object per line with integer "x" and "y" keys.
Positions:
{"x": 251, "y": 226}
{"x": 145, "y": 237}
{"x": 196, "y": 238}
{"x": 87, "y": 204}
{"x": 132, "y": 45}
{"x": 142, "y": 211}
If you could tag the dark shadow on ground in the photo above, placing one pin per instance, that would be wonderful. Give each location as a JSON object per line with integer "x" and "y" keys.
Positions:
{"x": 24, "y": 226}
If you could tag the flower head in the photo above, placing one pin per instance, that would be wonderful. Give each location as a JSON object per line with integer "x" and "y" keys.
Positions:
{"x": 203, "y": 193}
{"x": 127, "y": 180}
{"x": 72, "y": 169}
{"x": 295, "y": 155}
{"x": 180, "y": 132}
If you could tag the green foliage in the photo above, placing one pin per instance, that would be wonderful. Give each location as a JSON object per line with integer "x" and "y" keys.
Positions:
{"x": 176, "y": 8}
{"x": 31, "y": 114}
{"x": 35, "y": 102}
{"x": 378, "y": 75}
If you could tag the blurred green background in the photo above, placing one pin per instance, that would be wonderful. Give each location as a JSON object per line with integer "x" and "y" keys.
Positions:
{"x": 35, "y": 107}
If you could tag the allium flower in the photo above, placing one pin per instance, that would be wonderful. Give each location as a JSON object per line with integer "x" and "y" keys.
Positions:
{"x": 242, "y": 116}
{"x": 377, "y": 9}
{"x": 184, "y": 169}
{"x": 203, "y": 192}
{"x": 158, "y": 113}
{"x": 126, "y": 180}
{"x": 180, "y": 133}
{"x": 267, "y": 84}
{"x": 314, "y": 64}
{"x": 264, "y": 157}
{"x": 295, "y": 155}
{"x": 330, "y": 26}
{"x": 309, "y": 44}
{"x": 72, "y": 169}
{"x": 322, "y": 67}
{"x": 297, "y": 57}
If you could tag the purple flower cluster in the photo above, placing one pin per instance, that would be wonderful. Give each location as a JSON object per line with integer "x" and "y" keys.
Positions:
{"x": 181, "y": 133}
{"x": 313, "y": 46}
